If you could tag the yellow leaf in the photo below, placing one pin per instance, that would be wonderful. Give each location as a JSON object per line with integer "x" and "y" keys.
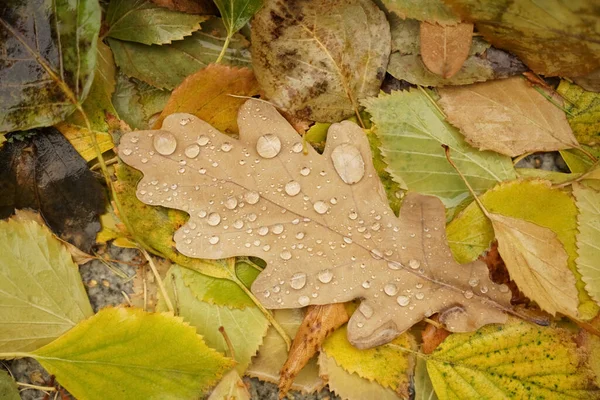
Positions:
{"x": 537, "y": 262}
{"x": 80, "y": 139}
{"x": 513, "y": 361}
{"x": 588, "y": 237}
{"x": 584, "y": 112}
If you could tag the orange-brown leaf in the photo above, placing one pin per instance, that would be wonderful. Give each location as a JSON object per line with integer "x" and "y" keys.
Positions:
{"x": 207, "y": 95}
{"x": 444, "y": 49}
{"x": 319, "y": 322}
{"x": 432, "y": 337}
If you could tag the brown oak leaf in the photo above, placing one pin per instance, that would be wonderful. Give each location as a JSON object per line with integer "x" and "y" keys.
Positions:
{"x": 322, "y": 223}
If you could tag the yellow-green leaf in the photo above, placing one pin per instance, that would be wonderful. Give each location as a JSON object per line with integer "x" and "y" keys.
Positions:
{"x": 389, "y": 365}
{"x": 41, "y": 294}
{"x": 588, "y": 237}
{"x": 81, "y": 140}
{"x": 584, "y": 112}
{"x": 8, "y": 387}
{"x": 577, "y": 160}
{"x": 513, "y": 361}
{"x": 126, "y": 353}
{"x": 231, "y": 387}
{"x": 423, "y": 386}
{"x": 535, "y": 201}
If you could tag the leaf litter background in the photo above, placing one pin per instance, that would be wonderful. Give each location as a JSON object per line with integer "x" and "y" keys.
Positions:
{"x": 89, "y": 73}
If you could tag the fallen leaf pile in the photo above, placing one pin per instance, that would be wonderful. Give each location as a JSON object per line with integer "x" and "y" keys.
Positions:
{"x": 392, "y": 199}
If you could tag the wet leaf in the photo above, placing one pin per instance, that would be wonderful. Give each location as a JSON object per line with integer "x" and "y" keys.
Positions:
{"x": 230, "y": 387}
{"x": 507, "y": 116}
{"x": 308, "y": 62}
{"x": 143, "y": 21}
{"x": 423, "y": 386}
{"x": 217, "y": 83}
{"x": 267, "y": 218}
{"x": 351, "y": 386}
{"x": 390, "y": 365}
{"x": 273, "y": 354}
{"x": 444, "y": 49}
{"x": 516, "y": 361}
{"x": 52, "y": 49}
{"x": 535, "y": 201}
{"x": 412, "y": 131}
{"x": 186, "y": 56}
{"x": 8, "y": 387}
{"x": 584, "y": 112}
{"x": 45, "y": 172}
{"x": 558, "y": 37}
{"x": 483, "y": 62}
{"x": 244, "y": 327}
{"x": 588, "y": 224}
{"x": 202, "y": 7}
{"x": 109, "y": 354}
{"x": 40, "y": 288}
{"x": 319, "y": 322}
{"x": 431, "y": 10}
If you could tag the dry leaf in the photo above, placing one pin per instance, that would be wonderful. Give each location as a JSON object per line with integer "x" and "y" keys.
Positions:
{"x": 432, "y": 337}
{"x": 445, "y": 48}
{"x": 537, "y": 262}
{"x": 507, "y": 116}
{"x": 319, "y": 322}
{"x": 322, "y": 223}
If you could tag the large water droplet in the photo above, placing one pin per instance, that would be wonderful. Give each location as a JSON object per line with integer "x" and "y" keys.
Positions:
{"x": 277, "y": 229}
{"x": 303, "y": 300}
{"x": 192, "y": 151}
{"x": 376, "y": 254}
{"x": 251, "y": 197}
{"x": 268, "y": 146}
{"x": 231, "y": 203}
{"x": 285, "y": 255}
{"x": 394, "y": 265}
{"x": 292, "y": 188}
{"x": 348, "y": 163}
{"x": 473, "y": 282}
{"x": 403, "y": 300}
{"x": 414, "y": 264}
{"x": 366, "y": 284}
{"x": 164, "y": 143}
{"x": 238, "y": 224}
{"x": 226, "y": 147}
{"x": 305, "y": 171}
{"x": 263, "y": 230}
{"x": 390, "y": 289}
{"x": 321, "y": 207}
{"x": 365, "y": 310}
{"x": 213, "y": 240}
{"x": 202, "y": 140}
{"x": 325, "y": 276}
{"x": 214, "y": 219}
{"x": 468, "y": 294}
{"x": 298, "y": 280}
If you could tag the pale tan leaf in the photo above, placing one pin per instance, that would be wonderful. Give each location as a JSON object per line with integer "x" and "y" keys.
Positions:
{"x": 537, "y": 262}
{"x": 319, "y": 322}
{"x": 322, "y": 223}
{"x": 507, "y": 116}
{"x": 231, "y": 387}
{"x": 445, "y": 48}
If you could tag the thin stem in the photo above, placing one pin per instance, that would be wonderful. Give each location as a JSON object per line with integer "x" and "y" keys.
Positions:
{"x": 587, "y": 153}
{"x": 266, "y": 312}
{"x": 522, "y": 156}
{"x": 435, "y": 104}
{"x": 434, "y": 323}
{"x": 224, "y": 49}
{"x": 227, "y": 341}
{"x": 159, "y": 280}
{"x": 485, "y": 211}
{"x": 36, "y": 387}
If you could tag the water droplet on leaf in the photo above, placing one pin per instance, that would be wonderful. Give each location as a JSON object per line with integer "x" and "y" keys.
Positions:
{"x": 164, "y": 143}
{"x": 268, "y": 146}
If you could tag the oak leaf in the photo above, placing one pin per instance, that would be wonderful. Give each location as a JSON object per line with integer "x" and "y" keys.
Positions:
{"x": 321, "y": 223}
{"x": 444, "y": 49}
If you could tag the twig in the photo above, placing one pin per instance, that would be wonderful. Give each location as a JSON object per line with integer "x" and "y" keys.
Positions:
{"x": 159, "y": 280}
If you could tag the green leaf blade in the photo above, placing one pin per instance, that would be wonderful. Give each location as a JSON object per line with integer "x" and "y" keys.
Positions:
{"x": 128, "y": 353}
{"x": 588, "y": 224}
{"x": 237, "y": 13}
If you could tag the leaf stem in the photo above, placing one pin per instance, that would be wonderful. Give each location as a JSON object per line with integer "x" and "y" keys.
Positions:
{"x": 227, "y": 341}
{"x": 36, "y": 387}
{"x": 159, "y": 280}
{"x": 224, "y": 49}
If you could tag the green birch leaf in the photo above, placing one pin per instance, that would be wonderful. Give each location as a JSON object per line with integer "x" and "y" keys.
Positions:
{"x": 148, "y": 63}
{"x": 237, "y": 13}
{"x": 245, "y": 328}
{"x": 513, "y": 361}
{"x": 583, "y": 112}
{"x": 143, "y": 21}
{"x": 41, "y": 292}
{"x": 8, "y": 387}
{"x": 430, "y": 10}
{"x": 412, "y": 130}
{"x": 126, "y": 353}
{"x": 577, "y": 160}
{"x": 422, "y": 382}
{"x": 588, "y": 237}
{"x": 52, "y": 48}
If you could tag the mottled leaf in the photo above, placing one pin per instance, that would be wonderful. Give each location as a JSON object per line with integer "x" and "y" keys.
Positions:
{"x": 145, "y": 22}
{"x": 514, "y": 361}
{"x": 430, "y": 10}
{"x": 507, "y": 116}
{"x": 588, "y": 237}
{"x": 412, "y": 130}
{"x": 308, "y": 62}
{"x": 41, "y": 292}
{"x": 583, "y": 112}
{"x": 314, "y": 243}
{"x": 444, "y": 49}
{"x": 128, "y": 353}
{"x": 47, "y": 60}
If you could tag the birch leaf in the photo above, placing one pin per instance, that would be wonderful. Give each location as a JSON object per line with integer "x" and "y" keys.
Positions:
{"x": 237, "y": 13}
{"x": 40, "y": 288}
{"x": 263, "y": 196}
{"x": 584, "y": 112}
{"x": 137, "y": 102}
{"x": 412, "y": 131}
{"x": 109, "y": 354}
{"x": 524, "y": 360}
{"x": 444, "y": 49}
{"x": 145, "y": 22}
{"x": 507, "y": 116}
{"x": 81, "y": 141}
{"x": 308, "y": 62}
{"x": 588, "y": 224}
{"x": 231, "y": 387}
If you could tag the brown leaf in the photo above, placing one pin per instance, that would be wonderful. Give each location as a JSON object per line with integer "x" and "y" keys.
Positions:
{"x": 433, "y": 336}
{"x": 203, "y": 7}
{"x": 322, "y": 223}
{"x": 319, "y": 322}
{"x": 444, "y": 49}
{"x": 499, "y": 273}
{"x": 507, "y": 116}
{"x": 217, "y": 83}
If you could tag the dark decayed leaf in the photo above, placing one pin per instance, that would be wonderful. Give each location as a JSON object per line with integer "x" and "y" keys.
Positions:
{"x": 47, "y": 59}
{"x": 45, "y": 172}
{"x": 203, "y": 7}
